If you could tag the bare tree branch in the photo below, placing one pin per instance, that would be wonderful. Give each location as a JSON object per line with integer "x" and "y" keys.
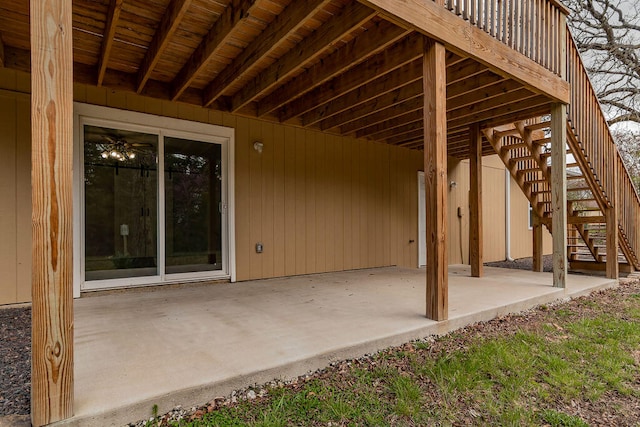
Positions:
{"x": 607, "y": 33}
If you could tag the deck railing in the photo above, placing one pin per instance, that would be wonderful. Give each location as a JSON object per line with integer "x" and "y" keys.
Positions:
{"x": 600, "y": 151}
{"x": 532, "y": 27}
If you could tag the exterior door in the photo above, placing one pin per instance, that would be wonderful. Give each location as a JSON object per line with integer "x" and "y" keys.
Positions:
{"x": 153, "y": 203}
{"x": 422, "y": 222}
{"x": 120, "y": 203}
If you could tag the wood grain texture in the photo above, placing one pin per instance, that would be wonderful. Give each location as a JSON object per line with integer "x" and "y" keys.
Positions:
{"x": 1, "y": 52}
{"x": 168, "y": 26}
{"x": 352, "y": 17}
{"x": 219, "y": 34}
{"x": 52, "y": 216}
{"x": 538, "y": 264}
{"x": 367, "y": 44}
{"x": 611, "y": 214}
{"x": 435, "y": 168}
{"x": 113, "y": 15}
{"x": 559, "y": 193}
{"x": 285, "y": 24}
{"x": 475, "y": 201}
{"x": 461, "y": 37}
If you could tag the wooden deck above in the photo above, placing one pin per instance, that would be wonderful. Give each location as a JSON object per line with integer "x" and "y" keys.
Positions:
{"x": 341, "y": 66}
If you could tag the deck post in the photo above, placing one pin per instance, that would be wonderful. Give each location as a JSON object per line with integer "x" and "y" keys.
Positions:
{"x": 435, "y": 172}
{"x": 559, "y": 193}
{"x": 538, "y": 264}
{"x": 52, "y": 232}
{"x": 611, "y": 214}
{"x": 475, "y": 201}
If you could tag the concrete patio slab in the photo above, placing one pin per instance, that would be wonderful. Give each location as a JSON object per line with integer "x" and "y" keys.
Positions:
{"x": 185, "y": 346}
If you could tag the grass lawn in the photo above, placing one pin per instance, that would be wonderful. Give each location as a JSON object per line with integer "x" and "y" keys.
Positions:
{"x": 572, "y": 364}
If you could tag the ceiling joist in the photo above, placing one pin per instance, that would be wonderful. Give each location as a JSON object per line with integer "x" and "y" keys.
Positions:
{"x": 407, "y": 50}
{"x": 393, "y": 116}
{"x": 309, "y": 48}
{"x": 222, "y": 30}
{"x": 330, "y": 115}
{"x": 367, "y": 44}
{"x": 113, "y": 15}
{"x": 398, "y": 130}
{"x": 364, "y": 128}
{"x": 168, "y": 25}
{"x": 363, "y": 102}
{"x": 285, "y": 24}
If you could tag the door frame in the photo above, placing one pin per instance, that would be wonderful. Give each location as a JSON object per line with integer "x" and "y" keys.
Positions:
{"x": 162, "y": 126}
{"x": 422, "y": 221}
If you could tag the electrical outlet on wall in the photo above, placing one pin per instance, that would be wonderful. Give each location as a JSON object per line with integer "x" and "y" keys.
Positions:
{"x": 259, "y": 248}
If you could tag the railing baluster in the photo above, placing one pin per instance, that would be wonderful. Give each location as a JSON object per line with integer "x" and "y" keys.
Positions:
{"x": 594, "y": 137}
{"x": 493, "y": 18}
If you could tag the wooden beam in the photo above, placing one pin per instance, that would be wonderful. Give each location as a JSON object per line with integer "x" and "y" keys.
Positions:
{"x": 479, "y": 81}
{"x": 285, "y": 24}
{"x": 538, "y": 261}
{"x": 402, "y": 139}
{"x": 598, "y": 266}
{"x": 522, "y": 109}
{"x": 435, "y": 168}
{"x": 113, "y": 15}
{"x": 517, "y": 97}
{"x": 168, "y": 25}
{"x": 365, "y": 45}
{"x": 404, "y": 52}
{"x": 1, "y": 52}
{"x": 52, "y": 214}
{"x": 485, "y": 94}
{"x": 385, "y": 92}
{"x": 559, "y": 193}
{"x": 464, "y": 70}
{"x": 612, "y": 223}
{"x": 396, "y": 130}
{"x": 467, "y": 40}
{"x": 351, "y": 17}
{"x": 395, "y": 111}
{"x": 475, "y": 201}
{"x": 382, "y": 120}
{"x": 236, "y": 12}
{"x": 372, "y": 110}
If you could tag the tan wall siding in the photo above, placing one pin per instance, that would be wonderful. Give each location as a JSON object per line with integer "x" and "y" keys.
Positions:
{"x": 458, "y": 227}
{"x": 15, "y": 198}
{"x": 317, "y": 202}
{"x": 521, "y": 235}
{"x": 493, "y": 224}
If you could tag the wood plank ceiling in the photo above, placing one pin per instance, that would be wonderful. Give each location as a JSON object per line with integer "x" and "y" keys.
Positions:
{"x": 331, "y": 65}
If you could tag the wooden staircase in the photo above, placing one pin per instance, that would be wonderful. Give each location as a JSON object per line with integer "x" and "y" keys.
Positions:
{"x": 598, "y": 183}
{"x": 524, "y": 147}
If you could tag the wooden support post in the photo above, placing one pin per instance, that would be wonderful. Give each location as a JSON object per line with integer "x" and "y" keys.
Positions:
{"x": 559, "y": 193}
{"x": 51, "y": 178}
{"x": 435, "y": 168}
{"x": 475, "y": 200}
{"x": 611, "y": 214}
{"x": 1, "y": 52}
{"x": 537, "y": 244}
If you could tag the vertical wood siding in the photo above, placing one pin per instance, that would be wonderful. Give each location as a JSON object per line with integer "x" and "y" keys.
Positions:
{"x": 15, "y": 197}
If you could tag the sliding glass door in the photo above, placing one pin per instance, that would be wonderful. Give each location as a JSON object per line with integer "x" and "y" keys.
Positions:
{"x": 121, "y": 203}
{"x": 154, "y": 206}
{"x": 193, "y": 205}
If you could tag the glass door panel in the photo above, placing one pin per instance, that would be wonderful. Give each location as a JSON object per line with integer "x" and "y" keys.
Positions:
{"x": 193, "y": 195}
{"x": 120, "y": 203}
